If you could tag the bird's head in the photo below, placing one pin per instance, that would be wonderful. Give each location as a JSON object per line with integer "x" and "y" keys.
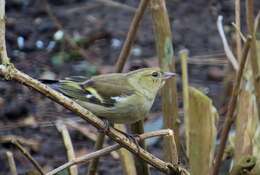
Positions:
{"x": 148, "y": 80}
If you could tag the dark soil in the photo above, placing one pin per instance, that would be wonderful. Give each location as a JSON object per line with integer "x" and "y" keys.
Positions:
{"x": 101, "y": 30}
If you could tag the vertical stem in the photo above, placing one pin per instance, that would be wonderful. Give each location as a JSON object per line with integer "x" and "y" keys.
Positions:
{"x": 28, "y": 156}
{"x": 185, "y": 91}
{"x": 92, "y": 168}
{"x": 126, "y": 157}
{"x": 141, "y": 166}
{"x": 164, "y": 47}
{"x": 11, "y": 162}
{"x": 238, "y": 24}
{"x": 121, "y": 62}
{"x": 61, "y": 127}
{"x": 255, "y": 62}
{"x": 231, "y": 109}
{"x": 3, "y": 55}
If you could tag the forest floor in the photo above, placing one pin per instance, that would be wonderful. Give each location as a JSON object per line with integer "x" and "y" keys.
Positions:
{"x": 100, "y": 29}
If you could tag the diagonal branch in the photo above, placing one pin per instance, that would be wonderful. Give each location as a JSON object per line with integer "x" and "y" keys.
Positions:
{"x": 231, "y": 107}
{"x": 86, "y": 158}
{"x": 131, "y": 35}
{"x": 127, "y": 143}
{"x": 26, "y": 154}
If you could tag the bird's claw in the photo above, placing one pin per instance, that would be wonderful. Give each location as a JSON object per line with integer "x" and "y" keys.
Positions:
{"x": 106, "y": 129}
{"x": 133, "y": 137}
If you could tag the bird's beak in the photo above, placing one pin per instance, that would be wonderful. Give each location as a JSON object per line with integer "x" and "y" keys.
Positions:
{"x": 167, "y": 75}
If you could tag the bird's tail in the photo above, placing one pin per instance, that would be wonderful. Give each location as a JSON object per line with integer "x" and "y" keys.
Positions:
{"x": 54, "y": 84}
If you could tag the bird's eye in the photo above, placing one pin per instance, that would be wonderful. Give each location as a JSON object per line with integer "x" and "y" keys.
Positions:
{"x": 155, "y": 74}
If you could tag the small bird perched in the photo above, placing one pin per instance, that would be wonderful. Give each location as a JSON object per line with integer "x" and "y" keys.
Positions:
{"x": 117, "y": 97}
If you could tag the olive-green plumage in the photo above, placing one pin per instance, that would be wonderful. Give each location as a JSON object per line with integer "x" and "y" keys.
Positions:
{"x": 117, "y": 97}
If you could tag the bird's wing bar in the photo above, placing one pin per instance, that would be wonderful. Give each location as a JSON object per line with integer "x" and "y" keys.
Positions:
{"x": 98, "y": 92}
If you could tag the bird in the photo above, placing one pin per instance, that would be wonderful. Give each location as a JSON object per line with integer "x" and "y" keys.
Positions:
{"x": 122, "y": 98}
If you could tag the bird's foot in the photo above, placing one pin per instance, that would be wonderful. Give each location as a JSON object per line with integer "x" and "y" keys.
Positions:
{"x": 106, "y": 128}
{"x": 133, "y": 137}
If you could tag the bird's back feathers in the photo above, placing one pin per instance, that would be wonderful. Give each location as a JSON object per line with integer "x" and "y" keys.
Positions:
{"x": 101, "y": 90}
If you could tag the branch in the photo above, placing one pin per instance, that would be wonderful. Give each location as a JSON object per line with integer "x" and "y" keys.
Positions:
{"x": 11, "y": 162}
{"x": 238, "y": 25}
{"x": 93, "y": 166}
{"x": 85, "y": 158}
{"x": 67, "y": 37}
{"x": 61, "y": 127}
{"x": 131, "y": 35}
{"x": 231, "y": 108}
{"x": 107, "y": 150}
{"x": 27, "y": 155}
{"x": 117, "y": 4}
{"x": 227, "y": 49}
{"x": 239, "y": 32}
{"x": 71, "y": 105}
{"x": 3, "y": 55}
{"x": 257, "y": 21}
{"x": 32, "y": 143}
{"x": 126, "y": 158}
{"x": 142, "y": 167}
{"x": 84, "y": 130}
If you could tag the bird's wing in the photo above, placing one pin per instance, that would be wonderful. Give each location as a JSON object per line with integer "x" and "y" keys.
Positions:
{"x": 104, "y": 90}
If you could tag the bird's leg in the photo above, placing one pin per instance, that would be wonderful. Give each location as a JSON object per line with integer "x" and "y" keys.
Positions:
{"x": 107, "y": 127}
{"x": 133, "y": 137}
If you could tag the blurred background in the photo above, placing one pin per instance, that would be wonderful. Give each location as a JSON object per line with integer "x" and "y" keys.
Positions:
{"x": 55, "y": 39}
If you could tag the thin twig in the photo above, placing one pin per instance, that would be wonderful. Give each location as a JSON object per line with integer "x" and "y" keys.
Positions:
{"x": 3, "y": 56}
{"x": 32, "y": 143}
{"x": 11, "y": 162}
{"x": 131, "y": 35}
{"x": 117, "y": 5}
{"x": 85, "y": 158}
{"x": 92, "y": 168}
{"x": 83, "y": 129}
{"x": 27, "y": 155}
{"x": 141, "y": 166}
{"x": 126, "y": 158}
{"x": 61, "y": 127}
{"x": 238, "y": 31}
{"x": 104, "y": 151}
{"x": 257, "y": 21}
{"x": 67, "y": 37}
{"x": 227, "y": 49}
{"x": 231, "y": 107}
